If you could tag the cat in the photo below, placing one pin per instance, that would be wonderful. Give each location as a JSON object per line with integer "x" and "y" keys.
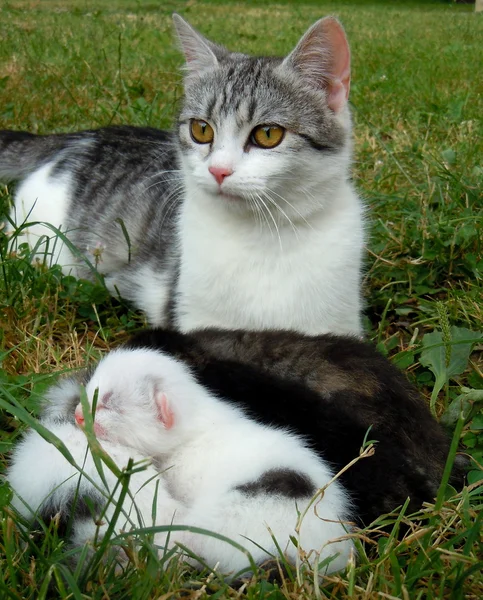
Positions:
{"x": 334, "y": 391}
{"x": 221, "y": 470}
{"x": 242, "y": 217}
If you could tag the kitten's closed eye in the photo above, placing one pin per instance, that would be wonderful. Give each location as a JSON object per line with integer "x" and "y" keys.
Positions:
{"x": 106, "y": 401}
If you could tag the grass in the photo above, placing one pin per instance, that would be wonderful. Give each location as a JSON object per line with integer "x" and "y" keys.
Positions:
{"x": 417, "y": 102}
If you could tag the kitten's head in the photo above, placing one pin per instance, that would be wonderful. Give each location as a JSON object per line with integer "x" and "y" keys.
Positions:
{"x": 258, "y": 133}
{"x": 140, "y": 397}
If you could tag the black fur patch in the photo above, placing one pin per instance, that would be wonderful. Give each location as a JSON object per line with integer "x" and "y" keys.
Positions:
{"x": 78, "y": 509}
{"x": 280, "y": 482}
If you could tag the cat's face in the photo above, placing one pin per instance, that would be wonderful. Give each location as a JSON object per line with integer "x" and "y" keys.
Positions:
{"x": 263, "y": 134}
{"x": 128, "y": 389}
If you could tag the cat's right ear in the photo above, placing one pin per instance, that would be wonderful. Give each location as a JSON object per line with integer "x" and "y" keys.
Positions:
{"x": 200, "y": 53}
{"x": 164, "y": 411}
{"x": 322, "y": 57}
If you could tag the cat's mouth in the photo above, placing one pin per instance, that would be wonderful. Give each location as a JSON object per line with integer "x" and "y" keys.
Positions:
{"x": 228, "y": 196}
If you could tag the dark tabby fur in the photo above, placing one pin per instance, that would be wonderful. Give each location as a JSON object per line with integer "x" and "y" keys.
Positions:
{"x": 330, "y": 389}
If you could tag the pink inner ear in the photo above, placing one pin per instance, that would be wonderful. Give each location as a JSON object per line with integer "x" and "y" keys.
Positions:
{"x": 339, "y": 87}
{"x": 165, "y": 412}
{"x": 337, "y": 95}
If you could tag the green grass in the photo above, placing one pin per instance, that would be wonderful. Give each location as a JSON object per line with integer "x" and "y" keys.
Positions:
{"x": 418, "y": 100}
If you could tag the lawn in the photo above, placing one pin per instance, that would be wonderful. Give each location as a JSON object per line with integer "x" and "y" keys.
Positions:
{"x": 417, "y": 97}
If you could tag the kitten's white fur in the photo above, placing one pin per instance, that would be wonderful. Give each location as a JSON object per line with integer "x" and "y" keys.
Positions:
{"x": 208, "y": 448}
{"x": 40, "y": 475}
{"x": 204, "y": 447}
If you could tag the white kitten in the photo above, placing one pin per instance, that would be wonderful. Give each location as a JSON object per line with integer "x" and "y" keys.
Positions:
{"x": 239, "y": 478}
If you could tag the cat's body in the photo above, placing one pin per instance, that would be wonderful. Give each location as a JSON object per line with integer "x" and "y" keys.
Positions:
{"x": 257, "y": 228}
{"x": 220, "y": 470}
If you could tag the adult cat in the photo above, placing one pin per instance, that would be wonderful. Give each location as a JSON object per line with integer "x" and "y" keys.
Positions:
{"x": 243, "y": 217}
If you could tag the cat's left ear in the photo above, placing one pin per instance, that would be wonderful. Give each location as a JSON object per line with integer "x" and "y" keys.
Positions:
{"x": 323, "y": 59}
{"x": 164, "y": 411}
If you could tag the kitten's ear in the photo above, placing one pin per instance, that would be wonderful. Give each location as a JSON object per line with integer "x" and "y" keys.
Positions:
{"x": 200, "y": 53}
{"x": 164, "y": 411}
{"x": 323, "y": 59}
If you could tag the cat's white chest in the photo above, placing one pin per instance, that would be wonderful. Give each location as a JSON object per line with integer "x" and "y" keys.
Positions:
{"x": 236, "y": 274}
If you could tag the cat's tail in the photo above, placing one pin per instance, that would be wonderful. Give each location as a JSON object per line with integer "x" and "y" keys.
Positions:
{"x": 21, "y": 152}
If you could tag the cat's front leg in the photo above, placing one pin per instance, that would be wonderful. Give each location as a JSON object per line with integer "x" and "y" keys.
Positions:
{"x": 44, "y": 481}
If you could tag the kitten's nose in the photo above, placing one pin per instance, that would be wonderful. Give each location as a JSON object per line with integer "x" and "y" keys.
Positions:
{"x": 79, "y": 416}
{"x": 219, "y": 173}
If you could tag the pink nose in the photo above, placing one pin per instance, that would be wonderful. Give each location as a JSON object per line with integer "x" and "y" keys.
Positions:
{"x": 219, "y": 173}
{"x": 79, "y": 416}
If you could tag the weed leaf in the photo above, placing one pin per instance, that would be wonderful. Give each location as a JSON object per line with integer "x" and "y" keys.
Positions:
{"x": 446, "y": 361}
{"x": 466, "y": 402}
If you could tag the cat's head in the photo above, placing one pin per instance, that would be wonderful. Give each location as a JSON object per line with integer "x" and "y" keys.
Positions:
{"x": 140, "y": 396}
{"x": 267, "y": 134}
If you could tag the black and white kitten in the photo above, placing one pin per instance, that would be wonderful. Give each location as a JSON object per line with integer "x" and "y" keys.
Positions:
{"x": 243, "y": 217}
{"x": 220, "y": 469}
{"x": 331, "y": 390}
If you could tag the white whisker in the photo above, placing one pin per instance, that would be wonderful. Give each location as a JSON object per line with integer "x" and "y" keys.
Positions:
{"x": 273, "y": 219}
{"x": 291, "y": 206}
{"x": 272, "y": 201}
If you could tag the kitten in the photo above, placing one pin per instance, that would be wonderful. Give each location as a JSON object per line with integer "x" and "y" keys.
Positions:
{"x": 242, "y": 217}
{"x": 331, "y": 390}
{"x": 221, "y": 470}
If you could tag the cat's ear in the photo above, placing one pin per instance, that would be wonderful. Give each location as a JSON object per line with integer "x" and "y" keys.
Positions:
{"x": 164, "y": 412}
{"x": 323, "y": 59}
{"x": 200, "y": 53}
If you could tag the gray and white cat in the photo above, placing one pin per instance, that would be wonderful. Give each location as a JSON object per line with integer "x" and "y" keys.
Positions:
{"x": 243, "y": 217}
{"x": 220, "y": 469}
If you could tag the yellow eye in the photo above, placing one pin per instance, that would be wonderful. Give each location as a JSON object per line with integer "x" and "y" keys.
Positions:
{"x": 201, "y": 131}
{"x": 267, "y": 136}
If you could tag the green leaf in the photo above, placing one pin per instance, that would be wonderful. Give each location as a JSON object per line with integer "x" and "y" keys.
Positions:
{"x": 462, "y": 344}
{"x": 434, "y": 358}
{"x": 474, "y": 476}
{"x": 465, "y": 403}
{"x": 449, "y": 156}
{"x": 434, "y": 355}
{"x": 404, "y": 359}
{"x": 5, "y": 494}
